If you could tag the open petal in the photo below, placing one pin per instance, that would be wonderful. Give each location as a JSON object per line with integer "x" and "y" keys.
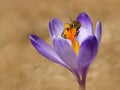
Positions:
{"x": 86, "y": 27}
{"x": 55, "y": 28}
{"x": 46, "y": 50}
{"x": 65, "y": 52}
{"x": 87, "y": 53}
{"x": 98, "y": 32}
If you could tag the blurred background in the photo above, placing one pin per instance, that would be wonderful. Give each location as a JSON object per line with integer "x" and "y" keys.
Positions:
{"x": 23, "y": 68}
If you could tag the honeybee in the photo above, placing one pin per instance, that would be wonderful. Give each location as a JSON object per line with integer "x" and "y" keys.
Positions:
{"x": 71, "y": 30}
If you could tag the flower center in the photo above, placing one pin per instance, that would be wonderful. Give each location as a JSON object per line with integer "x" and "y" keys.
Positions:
{"x": 76, "y": 47}
{"x": 71, "y": 30}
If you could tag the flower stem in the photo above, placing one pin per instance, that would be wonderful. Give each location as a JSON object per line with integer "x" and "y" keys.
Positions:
{"x": 82, "y": 86}
{"x": 82, "y": 83}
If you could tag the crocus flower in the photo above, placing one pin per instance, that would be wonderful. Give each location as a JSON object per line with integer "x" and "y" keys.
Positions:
{"x": 76, "y": 58}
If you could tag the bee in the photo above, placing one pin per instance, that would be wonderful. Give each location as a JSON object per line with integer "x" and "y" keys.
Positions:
{"x": 71, "y": 30}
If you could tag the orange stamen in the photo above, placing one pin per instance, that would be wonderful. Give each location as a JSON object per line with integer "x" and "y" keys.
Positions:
{"x": 70, "y": 34}
{"x": 76, "y": 47}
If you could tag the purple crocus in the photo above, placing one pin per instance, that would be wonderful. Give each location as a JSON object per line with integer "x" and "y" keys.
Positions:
{"x": 77, "y": 59}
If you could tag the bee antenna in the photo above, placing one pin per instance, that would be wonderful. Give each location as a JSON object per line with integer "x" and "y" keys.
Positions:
{"x": 70, "y": 18}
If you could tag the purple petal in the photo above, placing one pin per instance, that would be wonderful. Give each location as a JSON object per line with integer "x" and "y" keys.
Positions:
{"x": 98, "y": 32}
{"x": 65, "y": 52}
{"x": 87, "y": 53}
{"x": 46, "y": 50}
{"x": 86, "y": 27}
{"x": 55, "y": 28}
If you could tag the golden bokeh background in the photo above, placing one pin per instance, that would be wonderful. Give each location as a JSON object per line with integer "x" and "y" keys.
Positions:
{"x": 21, "y": 66}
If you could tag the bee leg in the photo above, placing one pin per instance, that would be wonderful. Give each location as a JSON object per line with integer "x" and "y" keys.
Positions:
{"x": 77, "y": 32}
